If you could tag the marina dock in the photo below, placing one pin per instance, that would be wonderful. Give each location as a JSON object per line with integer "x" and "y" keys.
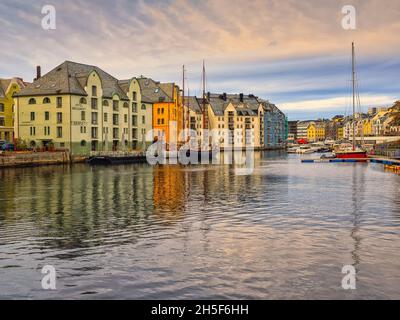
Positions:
{"x": 384, "y": 161}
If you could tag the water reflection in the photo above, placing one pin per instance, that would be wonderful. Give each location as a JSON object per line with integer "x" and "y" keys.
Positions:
{"x": 285, "y": 231}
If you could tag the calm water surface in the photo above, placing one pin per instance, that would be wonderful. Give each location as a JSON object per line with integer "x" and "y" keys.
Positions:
{"x": 177, "y": 232}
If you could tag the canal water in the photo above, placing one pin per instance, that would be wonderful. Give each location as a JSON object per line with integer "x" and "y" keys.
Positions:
{"x": 194, "y": 232}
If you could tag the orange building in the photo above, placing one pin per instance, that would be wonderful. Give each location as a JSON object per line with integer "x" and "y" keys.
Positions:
{"x": 167, "y": 108}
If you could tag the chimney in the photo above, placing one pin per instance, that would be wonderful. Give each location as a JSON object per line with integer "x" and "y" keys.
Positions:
{"x": 38, "y": 72}
{"x": 241, "y": 97}
{"x": 224, "y": 96}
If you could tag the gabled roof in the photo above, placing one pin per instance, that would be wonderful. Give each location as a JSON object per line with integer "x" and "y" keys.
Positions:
{"x": 194, "y": 104}
{"x": 5, "y": 84}
{"x": 71, "y": 78}
{"x": 152, "y": 91}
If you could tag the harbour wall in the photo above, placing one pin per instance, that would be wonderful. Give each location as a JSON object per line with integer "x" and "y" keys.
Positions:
{"x": 33, "y": 159}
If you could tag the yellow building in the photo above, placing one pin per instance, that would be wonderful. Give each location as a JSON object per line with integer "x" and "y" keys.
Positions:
{"x": 236, "y": 120}
{"x": 340, "y": 133}
{"x": 74, "y": 106}
{"x": 8, "y": 87}
{"x": 367, "y": 127}
{"x": 194, "y": 117}
{"x": 167, "y": 117}
{"x": 316, "y": 132}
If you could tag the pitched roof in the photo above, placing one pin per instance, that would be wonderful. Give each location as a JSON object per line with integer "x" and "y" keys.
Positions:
{"x": 5, "y": 83}
{"x": 71, "y": 78}
{"x": 152, "y": 91}
{"x": 246, "y": 105}
{"x": 194, "y": 104}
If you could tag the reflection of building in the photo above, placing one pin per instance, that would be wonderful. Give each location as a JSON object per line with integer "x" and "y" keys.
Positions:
{"x": 74, "y": 106}
{"x": 169, "y": 192}
{"x": 8, "y": 87}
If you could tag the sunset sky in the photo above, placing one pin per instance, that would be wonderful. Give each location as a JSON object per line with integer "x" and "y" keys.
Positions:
{"x": 294, "y": 53}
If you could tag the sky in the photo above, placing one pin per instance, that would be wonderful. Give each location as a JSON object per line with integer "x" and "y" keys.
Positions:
{"x": 294, "y": 53}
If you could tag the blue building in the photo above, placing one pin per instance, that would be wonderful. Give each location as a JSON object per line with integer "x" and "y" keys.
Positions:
{"x": 275, "y": 127}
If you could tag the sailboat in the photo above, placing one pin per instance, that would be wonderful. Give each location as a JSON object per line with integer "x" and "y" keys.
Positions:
{"x": 352, "y": 152}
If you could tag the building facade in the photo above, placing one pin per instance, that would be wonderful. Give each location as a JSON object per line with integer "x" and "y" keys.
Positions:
{"x": 8, "y": 87}
{"x": 77, "y": 107}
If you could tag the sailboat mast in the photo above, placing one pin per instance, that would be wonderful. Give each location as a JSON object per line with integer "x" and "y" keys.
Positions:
{"x": 183, "y": 97}
{"x": 354, "y": 94}
{"x": 204, "y": 96}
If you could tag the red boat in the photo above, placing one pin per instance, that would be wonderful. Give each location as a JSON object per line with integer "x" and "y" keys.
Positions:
{"x": 356, "y": 154}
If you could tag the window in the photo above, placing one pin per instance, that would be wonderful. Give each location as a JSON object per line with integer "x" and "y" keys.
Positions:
{"x": 105, "y": 103}
{"x": 143, "y": 120}
{"x": 32, "y": 116}
{"x": 59, "y": 102}
{"x": 162, "y": 110}
{"x": 134, "y": 96}
{"x": 83, "y": 115}
{"x": 83, "y": 143}
{"x": 158, "y": 121}
{"x": 115, "y": 133}
{"x": 47, "y": 116}
{"x": 134, "y": 107}
{"x": 94, "y": 118}
{"x": 2, "y": 122}
{"x": 115, "y": 119}
{"x": 143, "y": 107}
{"x": 59, "y": 117}
{"x": 83, "y": 101}
{"x": 158, "y": 111}
{"x": 105, "y": 117}
{"x": 46, "y": 131}
{"x": 134, "y": 134}
{"x": 126, "y": 118}
{"x": 94, "y": 91}
{"x": 94, "y": 133}
{"x": 126, "y": 105}
{"x": 59, "y": 132}
{"x": 94, "y": 103}
{"x": 115, "y": 105}
{"x": 33, "y": 131}
{"x": 32, "y": 101}
{"x": 134, "y": 120}
{"x": 162, "y": 121}
{"x": 1, "y": 107}
{"x": 46, "y": 100}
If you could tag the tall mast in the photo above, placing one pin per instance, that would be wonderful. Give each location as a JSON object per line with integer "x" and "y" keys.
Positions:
{"x": 204, "y": 97}
{"x": 183, "y": 97}
{"x": 354, "y": 94}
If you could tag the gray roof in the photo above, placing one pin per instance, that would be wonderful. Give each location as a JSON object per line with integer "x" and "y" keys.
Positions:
{"x": 194, "y": 104}
{"x": 153, "y": 92}
{"x": 246, "y": 107}
{"x": 71, "y": 78}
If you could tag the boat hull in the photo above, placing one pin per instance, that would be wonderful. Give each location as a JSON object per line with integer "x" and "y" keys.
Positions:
{"x": 352, "y": 155}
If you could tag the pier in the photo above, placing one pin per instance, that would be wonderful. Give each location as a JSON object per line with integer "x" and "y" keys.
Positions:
{"x": 384, "y": 161}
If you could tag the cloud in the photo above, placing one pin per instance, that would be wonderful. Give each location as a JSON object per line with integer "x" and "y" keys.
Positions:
{"x": 288, "y": 51}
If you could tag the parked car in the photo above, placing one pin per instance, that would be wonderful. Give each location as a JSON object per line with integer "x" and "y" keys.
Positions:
{"x": 7, "y": 147}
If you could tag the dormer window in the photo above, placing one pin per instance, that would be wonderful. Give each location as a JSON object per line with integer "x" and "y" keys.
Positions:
{"x": 82, "y": 101}
{"x": 94, "y": 91}
{"x": 32, "y": 101}
{"x": 134, "y": 96}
